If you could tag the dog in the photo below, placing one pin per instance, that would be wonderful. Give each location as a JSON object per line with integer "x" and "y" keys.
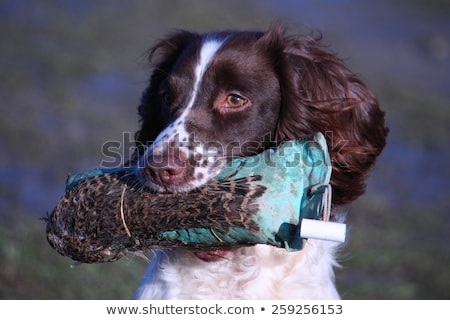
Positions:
{"x": 215, "y": 96}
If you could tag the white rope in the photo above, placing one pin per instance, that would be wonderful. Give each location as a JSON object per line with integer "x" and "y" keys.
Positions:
{"x": 326, "y": 211}
{"x": 122, "y": 215}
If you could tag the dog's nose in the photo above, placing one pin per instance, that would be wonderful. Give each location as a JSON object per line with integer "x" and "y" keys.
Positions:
{"x": 167, "y": 171}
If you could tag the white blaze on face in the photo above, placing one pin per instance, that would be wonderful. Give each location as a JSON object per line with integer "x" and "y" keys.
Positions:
{"x": 176, "y": 135}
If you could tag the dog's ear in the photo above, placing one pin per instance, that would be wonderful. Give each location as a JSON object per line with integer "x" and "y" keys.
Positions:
{"x": 319, "y": 93}
{"x": 162, "y": 56}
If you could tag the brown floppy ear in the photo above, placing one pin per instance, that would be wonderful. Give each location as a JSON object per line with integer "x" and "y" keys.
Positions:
{"x": 319, "y": 93}
{"x": 152, "y": 116}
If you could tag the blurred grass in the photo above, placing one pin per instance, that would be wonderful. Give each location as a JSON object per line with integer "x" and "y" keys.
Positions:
{"x": 31, "y": 269}
{"x": 418, "y": 118}
{"x": 405, "y": 256}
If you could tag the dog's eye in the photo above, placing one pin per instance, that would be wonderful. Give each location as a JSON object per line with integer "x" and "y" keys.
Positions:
{"x": 235, "y": 101}
{"x": 166, "y": 97}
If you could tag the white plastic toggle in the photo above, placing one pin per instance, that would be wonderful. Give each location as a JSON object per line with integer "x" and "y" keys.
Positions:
{"x": 317, "y": 229}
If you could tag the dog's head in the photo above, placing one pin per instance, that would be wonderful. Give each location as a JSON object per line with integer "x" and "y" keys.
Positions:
{"x": 220, "y": 95}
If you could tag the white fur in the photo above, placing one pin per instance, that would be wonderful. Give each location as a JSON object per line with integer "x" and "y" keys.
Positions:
{"x": 209, "y": 49}
{"x": 258, "y": 272}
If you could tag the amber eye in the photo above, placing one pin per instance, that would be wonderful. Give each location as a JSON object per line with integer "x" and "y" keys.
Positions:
{"x": 235, "y": 101}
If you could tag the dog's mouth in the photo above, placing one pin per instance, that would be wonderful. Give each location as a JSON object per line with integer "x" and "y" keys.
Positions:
{"x": 214, "y": 255}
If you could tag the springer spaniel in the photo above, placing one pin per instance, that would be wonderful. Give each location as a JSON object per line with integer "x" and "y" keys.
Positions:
{"x": 220, "y": 95}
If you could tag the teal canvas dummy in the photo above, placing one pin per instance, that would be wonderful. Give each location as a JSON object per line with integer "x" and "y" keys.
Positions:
{"x": 296, "y": 174}
{"x": 277, "y": 197}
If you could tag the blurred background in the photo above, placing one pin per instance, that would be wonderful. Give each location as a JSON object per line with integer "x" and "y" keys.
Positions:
{"x": 72, "y": 72}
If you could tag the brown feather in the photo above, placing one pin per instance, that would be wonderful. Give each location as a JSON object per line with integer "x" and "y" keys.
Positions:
{"x": 103, "y": 217}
